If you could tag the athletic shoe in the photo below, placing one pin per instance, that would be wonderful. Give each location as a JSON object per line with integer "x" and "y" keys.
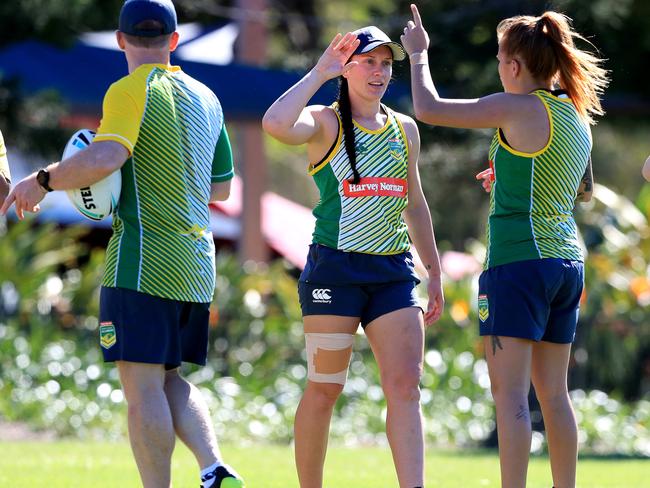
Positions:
{"x": 224, "y": 477}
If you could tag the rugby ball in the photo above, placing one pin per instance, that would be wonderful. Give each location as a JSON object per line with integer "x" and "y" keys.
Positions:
{"x": 98, "y": 200}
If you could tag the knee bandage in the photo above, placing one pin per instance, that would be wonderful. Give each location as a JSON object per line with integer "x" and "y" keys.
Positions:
{"x": 328, "y": 356}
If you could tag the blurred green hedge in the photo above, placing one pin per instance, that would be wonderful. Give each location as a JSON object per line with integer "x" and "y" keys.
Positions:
{"x": 52, "y": 376}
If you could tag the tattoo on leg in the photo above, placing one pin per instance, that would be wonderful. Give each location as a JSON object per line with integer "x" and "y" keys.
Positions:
{"x": 496, "y": 343}
{"x": 522, "y": 414}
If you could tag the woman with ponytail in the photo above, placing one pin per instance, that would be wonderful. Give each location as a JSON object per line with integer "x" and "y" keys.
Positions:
{"x": 363, "y": 157}
{"x": 530, "y": 290}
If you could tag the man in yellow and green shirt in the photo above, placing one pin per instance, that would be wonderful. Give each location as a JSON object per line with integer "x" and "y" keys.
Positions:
{"x": 165, "y": 132}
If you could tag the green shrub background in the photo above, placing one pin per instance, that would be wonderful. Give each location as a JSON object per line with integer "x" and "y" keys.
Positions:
{"x": 52, "y": 376}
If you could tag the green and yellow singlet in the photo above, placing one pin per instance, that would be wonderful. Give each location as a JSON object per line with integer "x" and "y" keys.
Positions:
{"x": 174, "y": 130}
{"x": 364, "y": 217}
{"x": 533, "y": 196}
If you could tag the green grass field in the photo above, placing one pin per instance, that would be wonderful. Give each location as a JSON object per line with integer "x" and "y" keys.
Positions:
{"x": 70, "y": 464}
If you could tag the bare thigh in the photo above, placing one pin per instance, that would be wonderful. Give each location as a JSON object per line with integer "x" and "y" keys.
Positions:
{"x": 509, "y": 363}
{"x": 550, "y": 364}
{"x": 397, "y": 341}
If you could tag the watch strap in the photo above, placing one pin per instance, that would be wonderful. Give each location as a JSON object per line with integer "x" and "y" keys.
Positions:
{"x": 43, "y": 179}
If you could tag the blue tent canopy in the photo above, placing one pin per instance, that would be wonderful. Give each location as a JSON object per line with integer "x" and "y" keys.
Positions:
{"x": 83, "y": 73}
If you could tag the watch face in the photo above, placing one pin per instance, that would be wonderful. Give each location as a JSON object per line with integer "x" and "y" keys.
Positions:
{"x": 43, "y": 179}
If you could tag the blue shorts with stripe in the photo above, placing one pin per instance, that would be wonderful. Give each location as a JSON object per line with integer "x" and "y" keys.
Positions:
{"x": 142, "y": 328}
{"x": 353, "y": 284}
{"x": 537, "y": 299}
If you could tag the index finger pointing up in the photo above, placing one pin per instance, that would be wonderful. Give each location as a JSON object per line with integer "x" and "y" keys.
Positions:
{"x": 416, "y": 15}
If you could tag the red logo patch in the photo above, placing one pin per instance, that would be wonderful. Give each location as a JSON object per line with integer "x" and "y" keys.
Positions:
{"x": 376, "y": 187}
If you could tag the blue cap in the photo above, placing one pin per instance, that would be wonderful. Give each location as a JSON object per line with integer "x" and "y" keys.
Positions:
{"x": 136, "y": 11}
{"x": 372, "y": 37}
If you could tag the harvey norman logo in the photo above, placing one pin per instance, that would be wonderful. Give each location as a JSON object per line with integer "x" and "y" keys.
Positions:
{"x": 321, "y": 295}
{"x": 376, "y": 187}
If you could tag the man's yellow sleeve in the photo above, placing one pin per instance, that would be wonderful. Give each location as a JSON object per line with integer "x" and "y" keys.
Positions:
{"x": 121, "y": 116}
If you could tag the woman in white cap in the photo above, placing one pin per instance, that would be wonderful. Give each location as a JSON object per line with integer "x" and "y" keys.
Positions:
{"x": 363, "y": 157}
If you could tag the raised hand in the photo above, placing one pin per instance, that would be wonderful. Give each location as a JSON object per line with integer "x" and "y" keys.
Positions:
{"x": 334, "y": 61}
{"x": 415, "y": 39}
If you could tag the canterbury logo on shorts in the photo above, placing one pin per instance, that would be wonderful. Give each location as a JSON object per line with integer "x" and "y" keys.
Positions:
{"x": 376, "y": 187}
{"x": 322, "y": 295}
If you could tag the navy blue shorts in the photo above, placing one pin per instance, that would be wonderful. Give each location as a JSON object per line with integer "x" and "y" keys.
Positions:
{"x": 355, "y": 284}
{"x": 537, "y": 300}
{"x": 143, "y": 328}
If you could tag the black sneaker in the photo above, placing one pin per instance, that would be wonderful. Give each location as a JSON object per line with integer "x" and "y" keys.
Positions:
{"x": 224, "y": 477}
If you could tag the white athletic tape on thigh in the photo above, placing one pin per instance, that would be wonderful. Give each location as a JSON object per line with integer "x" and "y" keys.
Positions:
{"x": 326, "y": 342}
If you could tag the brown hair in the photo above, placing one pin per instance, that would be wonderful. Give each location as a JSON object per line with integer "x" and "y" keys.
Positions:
{"x": 348, "y": 128}
{"x": 155, "y": 42}
{"x": 546, "y": 45}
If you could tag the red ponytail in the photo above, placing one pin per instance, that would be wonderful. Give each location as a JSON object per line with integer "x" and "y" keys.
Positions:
{"x": 546, "y": 45}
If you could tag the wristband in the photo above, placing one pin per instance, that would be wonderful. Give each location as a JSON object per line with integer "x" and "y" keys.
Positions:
{"x": 419, "y": 58}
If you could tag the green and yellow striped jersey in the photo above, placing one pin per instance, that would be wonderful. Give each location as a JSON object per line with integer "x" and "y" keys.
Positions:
{"x": 366, "y": 217}
{"x": 173, "y": 127}
{"x": 533, "y": 196}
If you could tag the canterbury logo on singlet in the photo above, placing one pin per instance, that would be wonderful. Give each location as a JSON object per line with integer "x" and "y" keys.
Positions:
{"x": 376, "y": 187}
{"x": 322, "y": 295}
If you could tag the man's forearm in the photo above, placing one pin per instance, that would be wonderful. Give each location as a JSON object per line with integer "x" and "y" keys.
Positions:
{"x": 89, "y": 166}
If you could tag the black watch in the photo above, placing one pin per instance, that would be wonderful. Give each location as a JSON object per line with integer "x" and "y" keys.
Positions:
{"x": 43, "y": 179}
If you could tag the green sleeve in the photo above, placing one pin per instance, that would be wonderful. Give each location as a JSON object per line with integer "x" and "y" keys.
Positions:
{"x": 4, "y": 164}
{"x": 222, "y": 166}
